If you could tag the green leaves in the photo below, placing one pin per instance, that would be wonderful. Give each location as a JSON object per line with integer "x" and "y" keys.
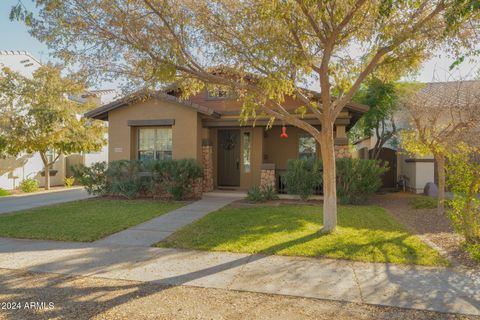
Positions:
{"x": 37, "y": 116}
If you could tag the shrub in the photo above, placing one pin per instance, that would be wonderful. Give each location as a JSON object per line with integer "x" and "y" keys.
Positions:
{"x": 93, "y": 178}
{"x": 358, "y": 178}
{"x": 423, "y": 202}
{"x": 474, "y": 251}
{"x": 254, "y": 194}
{"x": 68, "y": 181}
{"x": 269, "y": 193}
{"x": 177, "y": 177}
{"x": 463, "y": 179}
{"x": 29, "y": 185}
{"x": 4, "y": 192}
{"x": 124, "y": 178}
{"x": 303, "y": 176}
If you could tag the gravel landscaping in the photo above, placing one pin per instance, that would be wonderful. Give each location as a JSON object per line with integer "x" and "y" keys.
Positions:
{"x": 93, "y": 298}
{"x": 428, "y": 225}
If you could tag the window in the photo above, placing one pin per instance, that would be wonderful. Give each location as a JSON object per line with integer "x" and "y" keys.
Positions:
{"x": 154, "y": 143}
{"x": 217, "y": 93}
{"x": 307, "y": 147}
{"x": 246, "y": 152}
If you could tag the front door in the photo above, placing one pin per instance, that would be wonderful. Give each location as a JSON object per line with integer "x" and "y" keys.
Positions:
{"x": 229, "y": 158}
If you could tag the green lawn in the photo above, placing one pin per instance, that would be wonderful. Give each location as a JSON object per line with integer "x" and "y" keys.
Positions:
{"x": 365, "y": 233}
{"x": 85, "y": 220}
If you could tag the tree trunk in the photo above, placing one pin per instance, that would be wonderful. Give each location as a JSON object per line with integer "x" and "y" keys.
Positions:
{"x": 329, "y": 178}
{"x": 440, "y": 159}
{"x": 47, "y": 172}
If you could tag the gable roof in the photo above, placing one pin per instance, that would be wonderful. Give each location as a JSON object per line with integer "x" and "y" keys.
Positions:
{"x": 101, "y": 113}
{"x": 19, "y": 61}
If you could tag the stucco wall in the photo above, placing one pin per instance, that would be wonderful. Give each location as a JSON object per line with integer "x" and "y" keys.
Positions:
{"x": 186, "y": 137}
{"x": 278, "y": 150}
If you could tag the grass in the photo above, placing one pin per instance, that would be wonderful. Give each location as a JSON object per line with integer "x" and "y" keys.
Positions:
{"x": 4, "y": 192}
{"x": 85, "y": 220}
{"x": 474, "y": 251}
{"x": 423, "y": 202}
{"x": 364, "y": 233}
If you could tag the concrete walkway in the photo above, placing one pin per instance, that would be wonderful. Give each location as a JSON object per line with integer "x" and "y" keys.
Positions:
{"x": 437, "y": 289}
{"x": 15, "y": 203}
{"x": 127, "y": 255}
{"x": 159, "y": 228}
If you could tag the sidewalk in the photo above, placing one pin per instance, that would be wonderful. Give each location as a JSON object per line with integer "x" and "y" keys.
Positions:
{"x": 127, "y": 255}
{"x": 436, "y": 289}
{"x": 27, "y": 201}
{"x": 157, "y": 229}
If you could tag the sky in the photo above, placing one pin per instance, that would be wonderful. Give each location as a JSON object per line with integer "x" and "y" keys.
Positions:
{"x": 14, "y": 36}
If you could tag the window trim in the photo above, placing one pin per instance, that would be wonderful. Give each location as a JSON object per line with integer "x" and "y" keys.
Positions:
{"x": 249, "y": 133}
{"x": 303, "y": 135}
{"x": 154, "y": 150}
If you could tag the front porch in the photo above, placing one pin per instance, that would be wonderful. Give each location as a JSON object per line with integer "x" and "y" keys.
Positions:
{"x": 238, "y": 158}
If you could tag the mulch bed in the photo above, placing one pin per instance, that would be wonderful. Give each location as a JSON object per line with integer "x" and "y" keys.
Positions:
{"x": 428, "y": 225}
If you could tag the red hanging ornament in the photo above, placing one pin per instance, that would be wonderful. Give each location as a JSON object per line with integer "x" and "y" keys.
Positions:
{"x": 284, "y": 134}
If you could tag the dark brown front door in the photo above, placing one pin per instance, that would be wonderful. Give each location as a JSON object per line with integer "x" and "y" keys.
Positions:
{"x": 229, "y": 158}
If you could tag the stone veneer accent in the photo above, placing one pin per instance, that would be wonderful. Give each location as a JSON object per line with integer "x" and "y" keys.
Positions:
{"x": 267, "y": 176}
{"x": 207, "y": 161}
{"x": 197, "y": 188}
{"x": 342, "y": 152}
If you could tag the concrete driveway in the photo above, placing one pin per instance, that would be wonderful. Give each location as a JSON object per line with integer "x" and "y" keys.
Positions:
{"x": 15, "y": 203}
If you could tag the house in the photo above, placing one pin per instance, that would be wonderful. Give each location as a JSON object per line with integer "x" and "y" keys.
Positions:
{"x": 414, "y": 172}
{"x": 206, "y": 127}
{"x": 14, "y": 169}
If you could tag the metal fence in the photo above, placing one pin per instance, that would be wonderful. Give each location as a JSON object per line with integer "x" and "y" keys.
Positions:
{"x": 281, "y": 188}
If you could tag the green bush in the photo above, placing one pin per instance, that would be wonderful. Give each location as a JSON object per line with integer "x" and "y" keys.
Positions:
{"x": 357, "y": 179}
{"x": 269, "y": 193}
{"x": 130, "y": 178}
{"x": 463, "y": 179}
{"x": 124, "y": 178}
{"x": 303, "y": 176}
{"x": 93, "y": 178}
{"x": 176, "y": 176}
{"x": 68, "y": 181}
{"x": 254, "y": 194}
{"x": 474, "y": 251}
{"x": 424, "y": 202}
{"x": 4, "y": 192}
{"x": 29, "y": 185}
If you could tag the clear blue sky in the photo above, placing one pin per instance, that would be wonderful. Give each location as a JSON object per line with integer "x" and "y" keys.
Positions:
{"x": 14, "y": 36}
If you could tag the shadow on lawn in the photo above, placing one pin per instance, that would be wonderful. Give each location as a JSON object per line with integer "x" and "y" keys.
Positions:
{"x": 123, "y": 262}
{"x": 81, "y": 259}
{"x": 366, "y": 234}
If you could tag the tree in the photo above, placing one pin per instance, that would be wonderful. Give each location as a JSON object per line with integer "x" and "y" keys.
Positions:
{"x": 267, "y": 49}
{"x": 36, "y": 115}
{"x": 382, "y": 98}
{"x": 442, "y": 115}
{"x": 464, "y": 180}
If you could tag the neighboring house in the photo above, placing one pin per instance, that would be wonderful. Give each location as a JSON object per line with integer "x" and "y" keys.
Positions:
{"x": 14, "y": 170}
{"x": 412, "y": 171}
{"x": 206, "y": 127}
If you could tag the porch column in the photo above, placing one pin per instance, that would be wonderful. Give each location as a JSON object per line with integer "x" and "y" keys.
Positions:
{"x": 207, "y": 161}
{"x": 267, "y": 176}
{"x": 341, "y": 143}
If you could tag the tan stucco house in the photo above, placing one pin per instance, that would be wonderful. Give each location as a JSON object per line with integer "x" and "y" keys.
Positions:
{"x": 206, "y": 127}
